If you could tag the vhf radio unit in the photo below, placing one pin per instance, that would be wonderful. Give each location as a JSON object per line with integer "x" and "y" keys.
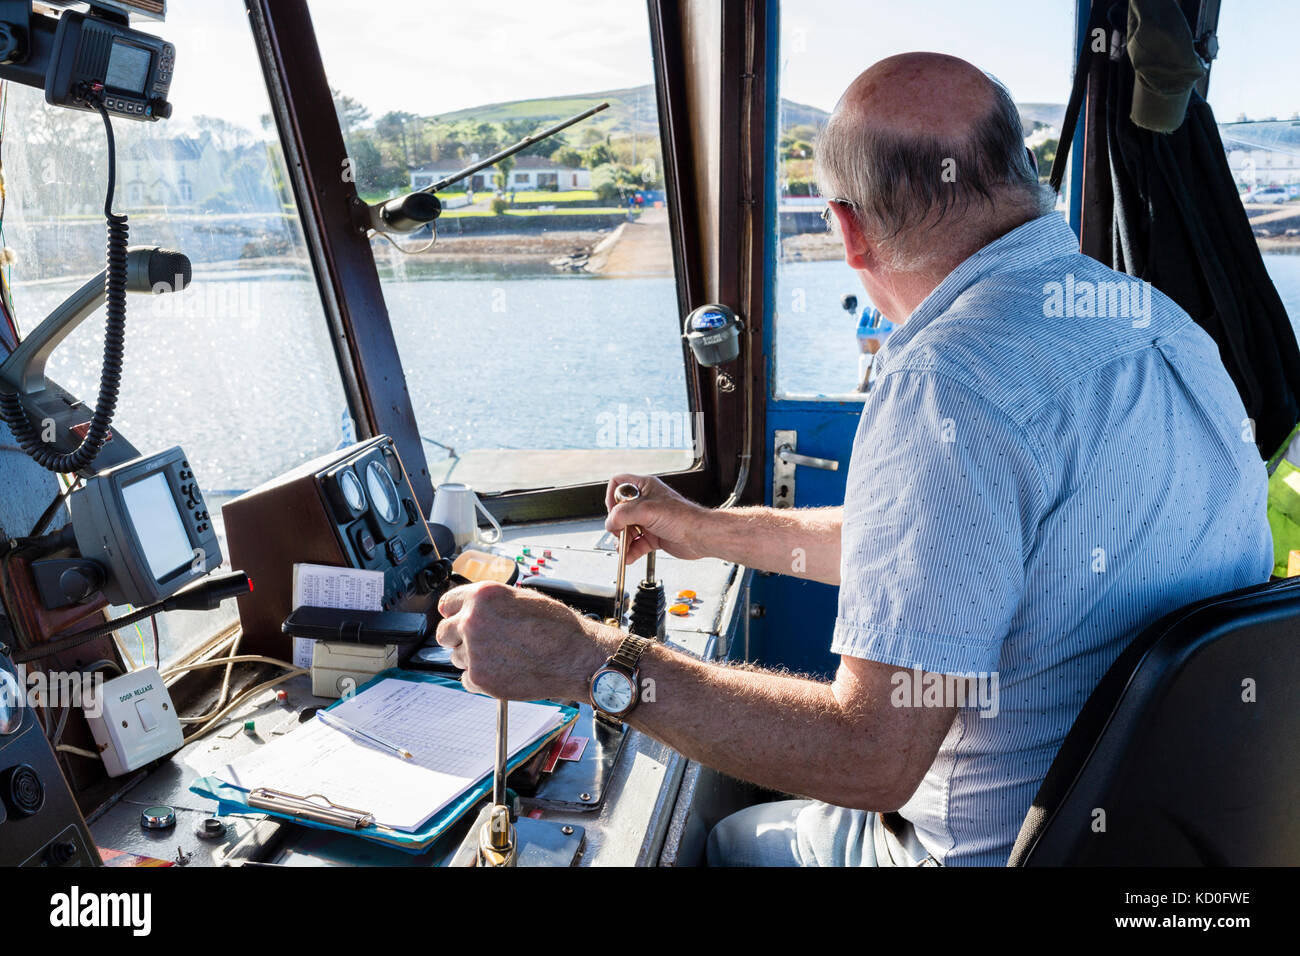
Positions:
{"x": 81, "y": 59}
{"x": 130, "y": 70}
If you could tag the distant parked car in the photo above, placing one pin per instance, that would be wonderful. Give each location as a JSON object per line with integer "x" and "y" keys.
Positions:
{"x": 1269, "y": 194}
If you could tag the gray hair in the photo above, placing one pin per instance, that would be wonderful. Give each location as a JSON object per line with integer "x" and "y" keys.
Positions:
{"x": 902, "y": 186}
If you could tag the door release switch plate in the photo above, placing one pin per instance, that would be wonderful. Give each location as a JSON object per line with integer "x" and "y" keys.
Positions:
{"x": 783, "y": 469}
{"x": 137, "y": 721}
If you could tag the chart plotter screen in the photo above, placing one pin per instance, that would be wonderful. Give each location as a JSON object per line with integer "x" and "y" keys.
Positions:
{"x": 153, "y": 511}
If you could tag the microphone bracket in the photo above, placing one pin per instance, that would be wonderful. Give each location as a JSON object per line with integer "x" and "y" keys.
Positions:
{"x": 149, "y": 269}
{"x": 59, "y": 416}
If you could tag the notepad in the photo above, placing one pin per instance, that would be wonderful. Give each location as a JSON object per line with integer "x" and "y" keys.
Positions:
{"x": 451, "y": 735}
{"x": 321, "y": 585}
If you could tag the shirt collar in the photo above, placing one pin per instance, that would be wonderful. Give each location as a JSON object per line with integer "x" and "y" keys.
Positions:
{"x": 1039, "y": 240}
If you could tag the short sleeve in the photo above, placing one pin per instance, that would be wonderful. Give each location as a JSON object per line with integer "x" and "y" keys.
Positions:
{"x": 939, "y": 514}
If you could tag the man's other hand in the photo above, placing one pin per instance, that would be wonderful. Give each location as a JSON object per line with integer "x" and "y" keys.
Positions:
{"x": 517, "y": 644}
{"x": 667, "y": 521}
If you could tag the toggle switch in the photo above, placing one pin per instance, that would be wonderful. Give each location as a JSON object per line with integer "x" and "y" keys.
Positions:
{"x": 147, "y": 718}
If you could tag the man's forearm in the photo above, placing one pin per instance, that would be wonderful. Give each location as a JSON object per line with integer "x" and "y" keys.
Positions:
{"x": 779, "y": 731}
{"x": 803, "y": 542}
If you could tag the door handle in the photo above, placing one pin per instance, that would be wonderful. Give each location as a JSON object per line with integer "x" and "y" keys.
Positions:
{"x": 789, "y": 456}
{"x": 784, "y": 462}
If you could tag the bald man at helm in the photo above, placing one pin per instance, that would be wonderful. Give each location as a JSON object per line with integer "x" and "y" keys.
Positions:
{"x": 1032, "y": 482}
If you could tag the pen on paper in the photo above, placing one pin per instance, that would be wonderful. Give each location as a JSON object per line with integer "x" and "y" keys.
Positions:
{"x": 375, "y": 740}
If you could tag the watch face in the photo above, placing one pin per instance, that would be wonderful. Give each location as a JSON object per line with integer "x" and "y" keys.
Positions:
{"x": 612, "y": 692}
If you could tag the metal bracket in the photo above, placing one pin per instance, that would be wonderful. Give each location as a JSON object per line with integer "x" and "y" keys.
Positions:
{"x": 580, "y": 785}
{"x": 538, "y": 842}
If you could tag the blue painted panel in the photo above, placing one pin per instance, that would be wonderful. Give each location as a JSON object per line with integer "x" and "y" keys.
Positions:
{"x": 795, "y": 629}
{"x": 1074, "y": 197}
{"x": 825, "y": 430}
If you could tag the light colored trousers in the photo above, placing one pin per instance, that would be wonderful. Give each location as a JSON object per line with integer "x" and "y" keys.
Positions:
{"x": 809, "y": 833}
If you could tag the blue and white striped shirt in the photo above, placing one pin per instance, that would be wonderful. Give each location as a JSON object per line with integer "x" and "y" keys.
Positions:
{"x": 1050, "y": 457}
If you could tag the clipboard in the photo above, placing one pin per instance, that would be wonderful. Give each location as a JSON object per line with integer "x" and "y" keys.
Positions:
{"x": 314, "y": 806}
{"x": 319, "y": 812}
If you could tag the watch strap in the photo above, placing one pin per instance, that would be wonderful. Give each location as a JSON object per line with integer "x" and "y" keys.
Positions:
{"x": 629, "y": 652}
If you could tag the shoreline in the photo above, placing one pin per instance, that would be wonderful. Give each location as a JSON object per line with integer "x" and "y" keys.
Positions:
{"x": 823, "y": 247}
{"x": 497, "y": 248}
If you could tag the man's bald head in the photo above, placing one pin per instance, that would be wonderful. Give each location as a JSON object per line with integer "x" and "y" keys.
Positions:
{"x": 921, "y": 139}
{"x": 920, "y": 93}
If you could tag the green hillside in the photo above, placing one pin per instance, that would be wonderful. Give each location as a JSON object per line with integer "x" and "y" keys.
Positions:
{"x": 630, "y": 109}
{"x": 635, "y": 109}
{"x": 798, "y": 114}
{"x": 1048, "y": 114}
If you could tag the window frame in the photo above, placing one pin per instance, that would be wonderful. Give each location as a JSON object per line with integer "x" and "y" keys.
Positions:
{"x": 348, "y": 276}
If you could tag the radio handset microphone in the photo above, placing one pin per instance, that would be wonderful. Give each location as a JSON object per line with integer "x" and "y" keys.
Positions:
{"x": 25, "y": 394}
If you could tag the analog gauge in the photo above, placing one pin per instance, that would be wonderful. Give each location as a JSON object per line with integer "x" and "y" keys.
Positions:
{"x": 353, "y": 493}
{"x": 11, "y": 704}
{"x": 382, "y": 491}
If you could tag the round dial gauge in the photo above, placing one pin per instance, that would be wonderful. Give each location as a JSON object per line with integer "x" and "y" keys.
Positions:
{"x": 353, "y": 493}
{"x": 382, "y": 491}
{"x": 11, "y": 704}
{"x": 612, "y": 691}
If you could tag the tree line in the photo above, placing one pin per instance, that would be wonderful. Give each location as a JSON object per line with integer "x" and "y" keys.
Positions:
{"x": 384, "y": 149}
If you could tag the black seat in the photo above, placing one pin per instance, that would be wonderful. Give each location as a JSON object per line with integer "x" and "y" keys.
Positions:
{"x": 1170, "y": 762}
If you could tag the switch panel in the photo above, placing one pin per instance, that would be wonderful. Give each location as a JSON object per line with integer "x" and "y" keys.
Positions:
{"x": 137, "y": 722}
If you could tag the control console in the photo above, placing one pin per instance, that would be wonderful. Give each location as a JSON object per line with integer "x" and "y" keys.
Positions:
{"x": 353, "y": 508}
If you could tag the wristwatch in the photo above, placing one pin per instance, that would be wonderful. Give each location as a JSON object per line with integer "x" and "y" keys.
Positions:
{"x": 615, "y": 688}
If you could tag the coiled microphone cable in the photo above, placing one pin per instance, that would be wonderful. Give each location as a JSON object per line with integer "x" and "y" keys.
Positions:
{"x": 110, "y": 376}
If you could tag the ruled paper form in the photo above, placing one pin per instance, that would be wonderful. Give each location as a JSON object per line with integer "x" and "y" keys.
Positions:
{"x": 451, "y": 735}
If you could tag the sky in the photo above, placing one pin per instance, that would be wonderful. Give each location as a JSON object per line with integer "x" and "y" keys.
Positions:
{"x": 516, "y": 49}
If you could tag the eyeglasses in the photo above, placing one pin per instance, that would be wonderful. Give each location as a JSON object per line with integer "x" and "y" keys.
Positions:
{"x": 826, "y": 213}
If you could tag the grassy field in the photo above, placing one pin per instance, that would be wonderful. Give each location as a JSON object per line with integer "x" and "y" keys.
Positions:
{"x": 584, "y": 211}
{"x": 545, "y": 196}
{"x": 532, "y": 195}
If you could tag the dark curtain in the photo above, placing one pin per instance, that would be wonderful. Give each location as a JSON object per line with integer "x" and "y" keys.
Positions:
{"x": 1164, "y": 207}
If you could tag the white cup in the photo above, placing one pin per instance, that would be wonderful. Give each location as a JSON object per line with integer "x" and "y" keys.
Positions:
{"x": 454, "y": 505}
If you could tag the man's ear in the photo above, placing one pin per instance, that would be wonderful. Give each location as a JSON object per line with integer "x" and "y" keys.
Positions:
{"x": 859, "y": 251}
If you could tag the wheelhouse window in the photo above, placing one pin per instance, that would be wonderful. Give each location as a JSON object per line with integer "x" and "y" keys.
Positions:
{"x": 538, "y": 325}
{"x": 238, "y": 369}
{"x": 1256, "y": 101}
{"x": 824, "y": 44}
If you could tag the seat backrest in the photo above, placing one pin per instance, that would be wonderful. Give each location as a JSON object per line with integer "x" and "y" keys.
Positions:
{"x": 1188, "y": 751}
